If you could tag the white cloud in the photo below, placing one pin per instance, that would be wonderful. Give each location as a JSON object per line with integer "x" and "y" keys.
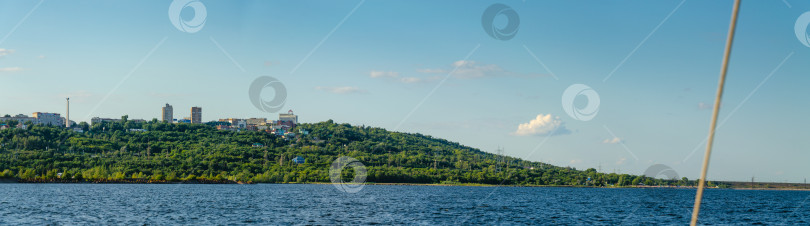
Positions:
{"x": 410, "y": 80}
{"x": 575, "y": 161}
{"x": 41, "y": 56}
{"x": 704, "y": 106}
{"x": 384, "y": 74}
{"x": 4, "y": 52}
{"x": 542, "y": 125}
{"x": 418, "y": 79}
{"x": 621, "y": 161}
{"x": 473, "y": 69}
{"x": 431, "y": 71}
{"x": 615, "y": 140}
{"x": 395, "y": 76}
{"x": 10, "y": 69}
{"x": 341, "y": 89}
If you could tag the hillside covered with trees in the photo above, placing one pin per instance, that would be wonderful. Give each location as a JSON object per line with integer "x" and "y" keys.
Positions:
{"x": 109, "y": 151}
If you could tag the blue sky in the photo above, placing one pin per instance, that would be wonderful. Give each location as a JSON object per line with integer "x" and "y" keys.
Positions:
{"x": 654, "y": 65}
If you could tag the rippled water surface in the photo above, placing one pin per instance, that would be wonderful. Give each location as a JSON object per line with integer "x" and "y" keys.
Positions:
{"x": 323, "y": 204}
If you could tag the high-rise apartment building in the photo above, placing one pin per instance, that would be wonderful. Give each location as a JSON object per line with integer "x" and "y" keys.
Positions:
{"x": 168, "y": 113}
{"x": 196, "y": 115}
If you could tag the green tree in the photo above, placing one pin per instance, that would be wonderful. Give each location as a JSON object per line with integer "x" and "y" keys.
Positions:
{"x": 171, "y": 176}
{"x": 27, "y": 174}
{"x": 84, "y": 126}
{"x": 66, "y": 175}
{"x": 51, "y": 174}
{"x": 636, "y": 180}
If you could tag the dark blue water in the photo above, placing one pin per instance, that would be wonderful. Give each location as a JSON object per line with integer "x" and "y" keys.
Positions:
{"x": 323, "y": 204}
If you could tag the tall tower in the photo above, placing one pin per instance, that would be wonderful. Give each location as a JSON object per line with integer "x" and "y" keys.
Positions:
{"x": 196, "y": 115}
{"x": 167, "y": 113}
{"x": 67, "y": 113}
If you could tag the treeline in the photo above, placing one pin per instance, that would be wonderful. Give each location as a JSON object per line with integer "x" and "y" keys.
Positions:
{"x": 179, "y": 152}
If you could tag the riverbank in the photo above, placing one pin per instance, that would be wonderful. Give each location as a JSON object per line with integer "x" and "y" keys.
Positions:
{"x": 118, "y": 181}
{"x": 198, "y": 181}
{"x": 575, "y": 186}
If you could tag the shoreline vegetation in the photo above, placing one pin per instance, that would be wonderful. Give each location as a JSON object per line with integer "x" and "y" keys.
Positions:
{"x": 795, "y": 187}
{"x": 154, "y": 152}
{"x": 120, "y": 181}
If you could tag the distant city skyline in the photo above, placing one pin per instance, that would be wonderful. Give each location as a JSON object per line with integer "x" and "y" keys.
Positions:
{"x": 166, "y": 113}
{"x": 434, "y": 68}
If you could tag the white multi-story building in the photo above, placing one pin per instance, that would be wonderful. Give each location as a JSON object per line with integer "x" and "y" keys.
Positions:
{"x": 96, "y": 120}
{"x": 20, "y": 118}
{"x": 41, "y": 118}
{"x": 46, "y": 118}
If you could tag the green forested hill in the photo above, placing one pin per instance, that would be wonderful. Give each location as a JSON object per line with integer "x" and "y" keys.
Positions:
{"x": 175, "y": 152}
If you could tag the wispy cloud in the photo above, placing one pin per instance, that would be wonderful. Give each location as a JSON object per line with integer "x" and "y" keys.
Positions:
{"x": 432, "y": 71}
{"x": 341, "y": 89}
{"x": 384, "y": 74}
{"x": 10, "y": 69}
{"x": 705, "y": 106}
{"x": 4, "y": 52}
{"x": 542, "y": 125}
{"x": 395, "y": 76}
{"x": 615, "y": 140}
{"x": 463, "y": 69}
{"x": 419, "y": 79}
{"x": 621, "y": 161}
{"x": 473, "y": 69}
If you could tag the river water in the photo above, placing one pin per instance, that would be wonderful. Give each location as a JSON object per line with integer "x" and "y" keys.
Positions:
{"x": 139, "y": 204}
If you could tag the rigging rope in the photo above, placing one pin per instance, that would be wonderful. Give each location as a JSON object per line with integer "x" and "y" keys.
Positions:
{"x": 723, "y": 71}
